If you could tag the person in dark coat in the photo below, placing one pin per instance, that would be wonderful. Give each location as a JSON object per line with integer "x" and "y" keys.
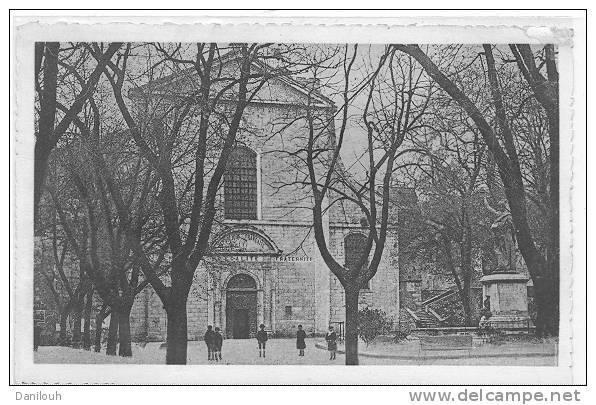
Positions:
{"x": 209, "y": 335}
{"x": 262, "y": 340}
{"x": 331, "y": 338}
{"x": 300, "y": 344}
{"x": 217, "y": 343}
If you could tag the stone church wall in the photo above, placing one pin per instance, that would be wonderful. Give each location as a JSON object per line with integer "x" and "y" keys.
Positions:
{"x": 296, "y": 287}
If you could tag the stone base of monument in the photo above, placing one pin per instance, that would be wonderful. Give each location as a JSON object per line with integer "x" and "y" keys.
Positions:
{"x": 508, "y": 300}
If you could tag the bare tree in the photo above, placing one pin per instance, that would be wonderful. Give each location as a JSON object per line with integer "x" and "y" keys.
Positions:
{"x": 66, "y": 288}
{"x": 51, "y": 124}
{"x": 392, "y": 97}
{"x": 213, "y": 105}
{"x": 97, "y": 238}
{"x": 77, "y": 297}
{"x": 61, "y": 94}
{"x": 453, "y": 212}
{"x": 500, "y": 140}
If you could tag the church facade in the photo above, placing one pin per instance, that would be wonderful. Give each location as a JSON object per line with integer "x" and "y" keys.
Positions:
{"x": 264, "y": 265}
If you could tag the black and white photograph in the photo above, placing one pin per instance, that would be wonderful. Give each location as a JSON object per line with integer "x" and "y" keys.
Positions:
{"x": 243, "y": 200}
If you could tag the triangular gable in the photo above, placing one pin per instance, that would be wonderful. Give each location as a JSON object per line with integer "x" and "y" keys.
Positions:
{"x": 282, "y": 89}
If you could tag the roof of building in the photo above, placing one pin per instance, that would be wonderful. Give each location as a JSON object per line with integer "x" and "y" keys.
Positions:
{"x": 283, "y": 76}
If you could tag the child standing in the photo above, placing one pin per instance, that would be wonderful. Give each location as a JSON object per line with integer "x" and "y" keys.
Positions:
{"x": 217, "y": 343}
{"x": 300, "y": 344}
{"x": 262, "y": 340}
{"x": 331, "y": 338}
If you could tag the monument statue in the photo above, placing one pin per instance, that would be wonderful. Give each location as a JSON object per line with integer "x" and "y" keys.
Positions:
{"x": 504, "y": 290}
{"x": 503, "y": 240}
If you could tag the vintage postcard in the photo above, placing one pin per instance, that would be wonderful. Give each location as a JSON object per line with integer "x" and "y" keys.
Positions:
{"x": 298, "y": 195}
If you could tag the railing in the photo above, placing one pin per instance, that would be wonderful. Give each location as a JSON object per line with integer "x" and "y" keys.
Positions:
{"x": 437, "y": 297}
{"x": 413, "y": 315}
{"x": 433, "y": 313}
{"x": 512, "y": 325}
{"x": 443, "y": 306}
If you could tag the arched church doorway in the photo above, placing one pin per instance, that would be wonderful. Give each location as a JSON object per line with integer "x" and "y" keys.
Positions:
{"x": 241, "y": 307}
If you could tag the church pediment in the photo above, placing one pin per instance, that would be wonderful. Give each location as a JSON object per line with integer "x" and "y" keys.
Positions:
{"x": 244, "y": 241}
{"x": 279, "y": 90}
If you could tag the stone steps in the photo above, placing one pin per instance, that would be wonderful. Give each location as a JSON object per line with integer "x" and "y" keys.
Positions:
{"x": 426, "y": 320}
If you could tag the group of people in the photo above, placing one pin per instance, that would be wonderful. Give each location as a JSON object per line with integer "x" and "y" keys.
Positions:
{"x": 214, "y": 342}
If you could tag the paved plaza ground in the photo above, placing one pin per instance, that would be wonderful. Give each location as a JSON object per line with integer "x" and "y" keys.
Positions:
{"x": 283, "y": 351}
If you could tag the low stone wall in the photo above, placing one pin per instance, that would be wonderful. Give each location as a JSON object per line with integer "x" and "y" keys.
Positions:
{"x": 467, "y": 330}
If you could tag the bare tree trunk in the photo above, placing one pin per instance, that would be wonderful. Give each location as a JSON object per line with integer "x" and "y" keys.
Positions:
{"x": 351, "y": 342}
{"x": 550, "y": 312}
{"x": 467, "y": 308}
{"x": 63, "y": 319}
{"x": 465, "y": 295}
{"x": 113, "y": 333}
{"x": 87, "y": 318}
{"x": 466, "y": 256}
{"x": 547, "y": 306}
{"x": 76, "y": 330}
{"x": 124, "y": 340}
{"x": 97, "y": 339}
{"x": 101, "y": 315}
{"x": 463, "y": 289}
{"x": 177, "y": 338}
{"x": 47, "y": 117}
{"x": 177, "y": 335}
{"x": 40, "y": 172}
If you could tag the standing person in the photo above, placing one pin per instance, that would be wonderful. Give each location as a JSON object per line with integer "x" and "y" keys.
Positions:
{"x": 300, "y": 344}
{"x": 331, "y": 338}
{"x": 262, "y": 340}
{"x": 217, "y": 343}
{"x": 209, "y": 342}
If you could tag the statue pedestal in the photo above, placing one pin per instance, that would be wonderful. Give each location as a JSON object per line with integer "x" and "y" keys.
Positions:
{"x": 508, "y": 299}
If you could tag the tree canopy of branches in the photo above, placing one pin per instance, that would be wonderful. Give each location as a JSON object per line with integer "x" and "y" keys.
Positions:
{"x": 394, "y": 97}
{"x": 89, "y": 222}
{"x": 60, "y": 96}
{"x": 543, "y": 264}
{"x": 209, "y": 107}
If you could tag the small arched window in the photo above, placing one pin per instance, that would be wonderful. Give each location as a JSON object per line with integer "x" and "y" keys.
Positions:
{"x": 354, "y": 247}
{"x": 240, "y": 184}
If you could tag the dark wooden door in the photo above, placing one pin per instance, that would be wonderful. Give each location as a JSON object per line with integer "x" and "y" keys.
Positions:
{"x": 241, "y": 314}
{"x": 241, "y": 326}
